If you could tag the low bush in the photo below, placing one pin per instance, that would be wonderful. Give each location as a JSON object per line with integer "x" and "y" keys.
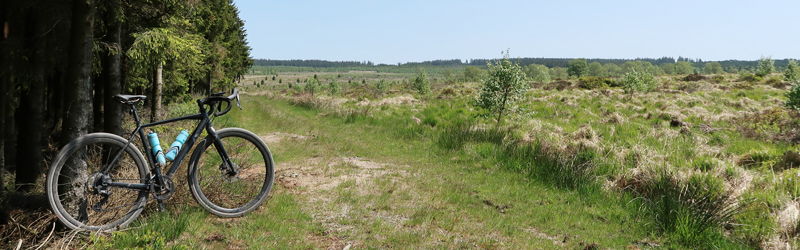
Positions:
{"x": 751, "y": 78}
{"x": 693, "y": 77}
{"x": 757, "y": 158}
{"x": 592, "y": 82}
{"x": 640, "y": 81}
{"x": 775, "y": 82}
{"x": 717, "y": 78}
{"x": 775, "y": 124}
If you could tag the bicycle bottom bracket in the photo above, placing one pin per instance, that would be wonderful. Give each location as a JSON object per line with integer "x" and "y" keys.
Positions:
{"x": 162, "y": 192}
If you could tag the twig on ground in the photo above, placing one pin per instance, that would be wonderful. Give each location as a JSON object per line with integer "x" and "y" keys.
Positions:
{"x": 21, "y": 226}
{"x": 48, "y": 237}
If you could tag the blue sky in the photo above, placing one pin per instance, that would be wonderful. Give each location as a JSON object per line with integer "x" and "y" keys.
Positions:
{"x": 412, "y": 31}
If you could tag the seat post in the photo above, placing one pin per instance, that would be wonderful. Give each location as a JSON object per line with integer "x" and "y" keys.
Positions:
{"x": 135, "y": 114}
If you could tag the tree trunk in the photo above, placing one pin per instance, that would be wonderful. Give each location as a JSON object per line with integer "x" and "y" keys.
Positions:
{"x": 97, "y": 103}
{"x": 502, "y": 108}
{"x": 56, "y": 103}
{"x": 211, "y": 80}
{"x": 77, "y": 96}
{"x": 3, "y": 105}
{"x": 157, "y": 84}
{"x": 10, "y": 132}
{"x": 32, "y": 103}
{"x": 111, "y": 69}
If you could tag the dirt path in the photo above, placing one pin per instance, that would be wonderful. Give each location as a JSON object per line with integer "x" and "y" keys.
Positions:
{"x": 315, "y": 181}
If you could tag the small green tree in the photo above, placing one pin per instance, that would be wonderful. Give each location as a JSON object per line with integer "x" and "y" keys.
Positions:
{"x": 684, "y": 68}
{"x": 421, "y": 83}
{"x": 558, "y": 72}
{"x": 578, "y": 67}
{"x": 538, "y": 73}
{"x": 668, "y": 68}
{"x": 765, "y": 66}
{"x": 502, "y": 89}
{"x": 792, "y": 72}
{"x": 641, "y": 81}
{"x": 334, "y": 87}
{"x": 448, "y": 73}
{"x": 472, "y": 73}
{"x": 597, "y": 69}
{"x": 613, "y": 69}
{"x": 713, "y": 68}
{"x": 312, "y": 85}
{"x": 793, "y": 97}
{"x": 381, "y": 85}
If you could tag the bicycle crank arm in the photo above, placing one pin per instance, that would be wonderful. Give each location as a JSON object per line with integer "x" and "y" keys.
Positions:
{"x": 129, "y": 185}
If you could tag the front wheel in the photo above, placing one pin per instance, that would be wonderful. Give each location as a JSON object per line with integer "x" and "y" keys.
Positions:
{"x": 231, "y": 193}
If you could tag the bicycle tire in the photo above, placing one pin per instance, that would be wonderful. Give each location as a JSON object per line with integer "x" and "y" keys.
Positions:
{"x": 72, "y": 197}
{"x": 231, "y": 196}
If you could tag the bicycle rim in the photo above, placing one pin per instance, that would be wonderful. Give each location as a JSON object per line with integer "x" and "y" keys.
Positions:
{"x": 231, "y": 196}
{"x": 78, "y": 201}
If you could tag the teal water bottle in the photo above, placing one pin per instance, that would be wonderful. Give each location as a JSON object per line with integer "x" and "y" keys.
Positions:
{"x": 156, "y": 146}
{"x": 176, "y": 146}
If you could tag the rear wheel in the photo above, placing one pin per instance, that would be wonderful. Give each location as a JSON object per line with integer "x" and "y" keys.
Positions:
{"x": 236, "y": 193}
{"x": 75, "y": 183}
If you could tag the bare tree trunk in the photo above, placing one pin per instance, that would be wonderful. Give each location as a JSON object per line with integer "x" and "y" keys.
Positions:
{"x": 32, "y": 103}
{"x": 79, "y": 72}
{"x": 211, "y": 80}
{"x": 159, "y": 86}
{"x": 113, "y": 109}
{"x": 56, "y": 103}
{"x": 97, "y": 103}
{"x": 155, "y": 107}
{"x": 79, "y": 86}
{"x": 3, "y": 105}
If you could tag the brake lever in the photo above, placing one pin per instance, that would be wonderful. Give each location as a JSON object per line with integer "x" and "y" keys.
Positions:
{"x": 237, "y": 101}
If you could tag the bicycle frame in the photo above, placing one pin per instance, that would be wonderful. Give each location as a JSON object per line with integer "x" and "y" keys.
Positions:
{"x": 155, "y": 171}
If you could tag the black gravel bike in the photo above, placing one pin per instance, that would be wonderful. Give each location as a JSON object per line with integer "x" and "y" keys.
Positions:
{"x": 101, "y": 181}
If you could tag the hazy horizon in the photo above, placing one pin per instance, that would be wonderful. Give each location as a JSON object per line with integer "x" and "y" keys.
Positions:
{"x": 413, "y": 31}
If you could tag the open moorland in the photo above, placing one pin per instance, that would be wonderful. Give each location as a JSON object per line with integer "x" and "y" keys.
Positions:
{"x": 364, "y": 160}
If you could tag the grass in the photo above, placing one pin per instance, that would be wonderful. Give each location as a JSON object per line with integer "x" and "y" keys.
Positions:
{"x": 673, "y": 167}
{"x": 441, "y": 198}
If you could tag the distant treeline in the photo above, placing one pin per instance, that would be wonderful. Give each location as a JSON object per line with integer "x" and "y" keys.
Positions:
{"x": 549, "y": 62}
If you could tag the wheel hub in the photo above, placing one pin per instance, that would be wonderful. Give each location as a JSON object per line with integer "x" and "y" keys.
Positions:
{"x": 98, "y": 184}
{"x": 232, "y": 174}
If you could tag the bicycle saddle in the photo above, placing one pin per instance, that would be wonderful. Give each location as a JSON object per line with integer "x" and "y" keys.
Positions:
{"x": 130, "y": 98}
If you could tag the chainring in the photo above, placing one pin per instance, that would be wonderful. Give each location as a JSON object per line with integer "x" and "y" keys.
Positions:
{"x": 162, "y": 192}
